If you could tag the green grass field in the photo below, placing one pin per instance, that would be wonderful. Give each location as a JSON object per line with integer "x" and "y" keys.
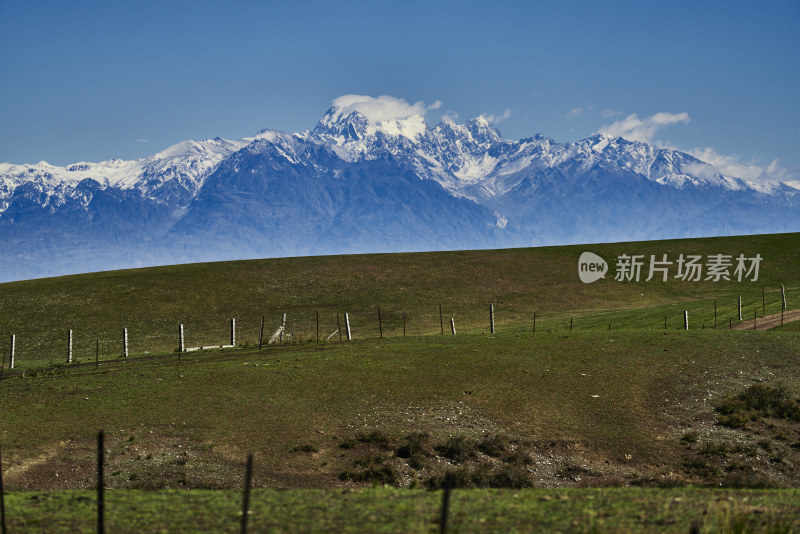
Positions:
{"x": 617, "y": 401}
{"x": 151, "y": 303}
{"x": 393, "y": 510}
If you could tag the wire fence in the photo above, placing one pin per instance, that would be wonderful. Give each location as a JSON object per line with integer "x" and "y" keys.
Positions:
{"x": 100, "y": 502}
{"x": 326, "y": 324}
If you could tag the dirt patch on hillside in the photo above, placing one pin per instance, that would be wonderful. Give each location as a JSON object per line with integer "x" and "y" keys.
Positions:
{"x": 767, "y": 322}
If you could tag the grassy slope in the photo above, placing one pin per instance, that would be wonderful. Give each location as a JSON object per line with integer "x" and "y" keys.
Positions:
{"x": 152, "y": 302}
{"x": 187, "y": 423}
{"x": 191, "y": 423}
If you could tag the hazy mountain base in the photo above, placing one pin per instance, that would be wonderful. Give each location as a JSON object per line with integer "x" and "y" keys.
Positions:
{"x": 344, "y": 188}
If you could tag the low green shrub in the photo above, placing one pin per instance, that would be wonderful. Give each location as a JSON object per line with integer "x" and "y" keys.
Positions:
{"x": 757, "y": 402}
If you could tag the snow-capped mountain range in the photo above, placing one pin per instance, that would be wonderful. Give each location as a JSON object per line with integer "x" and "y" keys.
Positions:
{"x": 354, "y": 184}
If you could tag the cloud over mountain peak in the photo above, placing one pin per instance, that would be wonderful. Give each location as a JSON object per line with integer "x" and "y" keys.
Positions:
{"x": 392, "y": 115}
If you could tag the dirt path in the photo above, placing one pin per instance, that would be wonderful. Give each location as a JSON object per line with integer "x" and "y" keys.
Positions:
{"x": 768, "y": 321}
{"x": 19, "y": 469}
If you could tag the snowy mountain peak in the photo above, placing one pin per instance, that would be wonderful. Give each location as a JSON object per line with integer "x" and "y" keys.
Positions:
{"x": 354, "y": 117}
{"x": 335, "y": 124}
{"x": 371, "y": 176}
{"x": 483, "y": 131}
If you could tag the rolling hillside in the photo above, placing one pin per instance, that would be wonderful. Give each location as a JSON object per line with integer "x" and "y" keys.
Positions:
{"x": 152, "y": 302}
{"x": 602, "y": 394}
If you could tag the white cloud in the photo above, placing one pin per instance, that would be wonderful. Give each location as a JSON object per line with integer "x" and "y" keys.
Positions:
{"x": 636, "y": 129}
{"x": 382, "y": 108}
{"x": 141, "y": 141}
{"x": 389, "y": 114}
{"x": 731, "y": 166}
{"x": 574, "y": 112}
{"x": 496, "y": 119}
{"x": 608, "y": 113}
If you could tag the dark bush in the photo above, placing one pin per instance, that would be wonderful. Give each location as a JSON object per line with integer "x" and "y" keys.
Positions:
{"x": 372, "y": 469}
{"x": 710, "y": 448}
{"x": 691, "y": 437}
{"x": 737, "y": 419}
{"x": 376, "y": 437}
{"x": 349, "y": 443}
{"x": 511, "y": 476}
{"x": 303, "y": 448}
{"x": 418, "y": 461}
{"x": 457, "y": 449}
{"x": 416, "y": 444}
{"x": 494, "y": 446}
{"x": 462, "y": 477}
{"x": 518, "y": 458}
{"x": 482, "y": 476}
{"x": 755, "y": 403}
{"x": 747, "y": 479}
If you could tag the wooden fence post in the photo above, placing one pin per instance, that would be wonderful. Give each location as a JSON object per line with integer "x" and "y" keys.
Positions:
{"x": 261, "y": 332}
{"x": 740, "y": 307}
{"x": 491, "y": 317}
{"x": 347, "y": 326}
{"x": 445, "y": 504}
{"x": 69, "y": 347}
{"x": 2, "y": 496}
{"x": 125, "y": 342}
{"x": 233, "y": 332}
{"x": 283, "y": 327}
{"x": 181, "y": 344}
{"x": 248, "y": 477}
{"x": 441, "y": 320}
{"x": 339, "y": 327}
{"x": 13, "y": 347}
{"x": 380, "y": 324}
{"x": 453, "y": 325}
{"x": 570, "y": 324}
{"x": 100, "y": 484}
{"x": 665, "y": 322}
{"x": 783, "y": 298}
{"x": 686, "y": 319}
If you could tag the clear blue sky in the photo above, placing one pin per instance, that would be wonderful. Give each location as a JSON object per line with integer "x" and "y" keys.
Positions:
{"x": 96, "y": 80}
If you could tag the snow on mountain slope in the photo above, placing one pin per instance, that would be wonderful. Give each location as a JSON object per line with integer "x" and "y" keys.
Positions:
{"x": 474, "y": 160}
{"x": 470, "y": 160}
{"x": 185, "y": 165}
{"x": 369, "y": 177}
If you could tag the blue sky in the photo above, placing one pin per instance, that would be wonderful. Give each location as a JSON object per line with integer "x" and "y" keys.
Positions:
{"x": 92, "y": 81}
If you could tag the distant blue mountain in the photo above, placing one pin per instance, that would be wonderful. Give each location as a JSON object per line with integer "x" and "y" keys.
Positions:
{"x": 351, "y": 186}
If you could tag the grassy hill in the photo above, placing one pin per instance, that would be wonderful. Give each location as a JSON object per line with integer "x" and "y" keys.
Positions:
{"x": 633, "y": 405}
{"x": 151, "y": 303}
